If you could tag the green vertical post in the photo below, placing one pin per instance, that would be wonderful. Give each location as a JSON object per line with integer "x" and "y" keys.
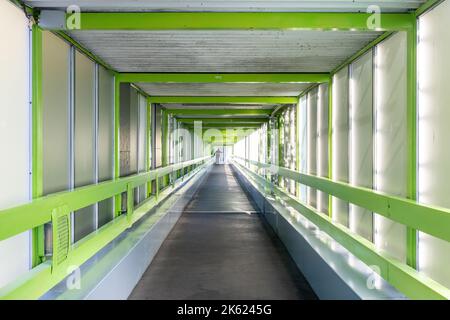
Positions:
{"x": 37, "y": 139}
{"x": 149, "y": 143}
{"x": 117, "y": 198}
{"x": 411, "y": 134}
{"x": 330, "y": 141}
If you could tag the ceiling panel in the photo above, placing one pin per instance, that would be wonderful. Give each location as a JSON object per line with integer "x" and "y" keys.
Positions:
{"x": 225, "y": 50}
{"x": 216, "y": 106}
{"x": 224, "y": 89}
{"x": 232, "y": 5}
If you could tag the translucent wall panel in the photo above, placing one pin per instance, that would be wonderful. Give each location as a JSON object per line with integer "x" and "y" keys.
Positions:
{"x": 361, "y": 141}
{"x": 322, "y": 144}
{"x": 434, "y": 133}
{"x": 105, "y": 140}
{"x": 55, "y": 107}
{"x": 390, "y": 165}
{"x": 303, "y": 143}
{"x": 56, "y": 118}
{"x": 142, "y": 142}
{"x": 134, "y": 124}
{"x": 340, "y": 135}
{"x": 14, "y": 133}
{"x": 84, "y": 140}
{"x": 312, "y": 142}
{"x": 157, "y": 134}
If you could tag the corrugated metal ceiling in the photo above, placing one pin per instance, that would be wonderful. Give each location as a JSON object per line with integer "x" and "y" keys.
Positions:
{"x": 224, "y": 89}
{"x": 232, "y": 5}
{"x": 224, "y": 51}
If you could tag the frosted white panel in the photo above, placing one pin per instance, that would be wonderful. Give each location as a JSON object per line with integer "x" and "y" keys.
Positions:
{"x": 303, "y": 152}
{"x": 134, "y": 122}
{"x": 312, "y": 142}
{"x": 390, "y": 165}
{"x": 14, "y": 133}
{"x": 105, "y": 139}
{"x": 142, "y": 142}
{"x": 361, "y": 140}
{"x": 84, "y": 135}
{"x": 433, "y": 133}
{"x": 55, "y": 113}
{"x": 340, "y": 136}
{"x": 322, "y": 144}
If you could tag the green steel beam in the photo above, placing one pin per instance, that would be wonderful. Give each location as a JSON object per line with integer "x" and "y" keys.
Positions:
{"x": 220, "y": 112}
{"x": 407, "y": 280}
{"x": 241, "y": 21}
{"x": 228, "y": 125}
{"x": 224, "y": 77}
{"x": 223, "y": 99}
{"x": 37, "y": 139}
{"x": 222, "y": 120}
{"x": 430, "y": 4}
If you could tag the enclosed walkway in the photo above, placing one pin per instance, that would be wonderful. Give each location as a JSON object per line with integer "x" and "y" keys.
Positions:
{"x": 221, "y": 249}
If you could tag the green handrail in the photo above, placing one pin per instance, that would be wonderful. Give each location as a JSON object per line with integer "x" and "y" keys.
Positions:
{"x": 406, "y": 279}
{"x": 57, "y": 207}
{"x": 429, "y": 219}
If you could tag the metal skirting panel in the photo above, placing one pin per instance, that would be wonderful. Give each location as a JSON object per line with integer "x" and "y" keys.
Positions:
{"x": 115, "y": 270}
{"x": 332, "y": 271}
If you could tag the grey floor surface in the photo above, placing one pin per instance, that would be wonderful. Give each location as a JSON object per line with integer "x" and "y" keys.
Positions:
{"x": 221, "y": 249}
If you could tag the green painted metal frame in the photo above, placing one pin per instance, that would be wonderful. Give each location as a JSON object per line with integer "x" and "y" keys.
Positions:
{"x": 220, "y": 112}
{"x": 235, "y": 120}
{"x": 42, "y": 210}
{"x": 240, "y": 21}
{"x": 406, "y": 279}
{"x": 223, "y": 99}
{"x": 427, "y": 6}
{"x": 117, "y": 198}
{"x": 37, "y": 140}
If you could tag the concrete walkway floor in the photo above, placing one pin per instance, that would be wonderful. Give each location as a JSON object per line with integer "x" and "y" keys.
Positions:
{"x": 221, "y": 249}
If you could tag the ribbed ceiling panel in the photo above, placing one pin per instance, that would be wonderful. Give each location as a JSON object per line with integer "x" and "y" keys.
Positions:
{"x": 224, "y": 89}
{"x": 224, "y": 51}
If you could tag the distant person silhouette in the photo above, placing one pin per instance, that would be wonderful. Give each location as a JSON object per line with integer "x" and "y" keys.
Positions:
{"x": 218, "y": 154}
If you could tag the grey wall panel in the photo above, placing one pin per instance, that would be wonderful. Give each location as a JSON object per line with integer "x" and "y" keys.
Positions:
{"x": 340, "y": 136}
{"x": 142, "y": 142}
{"x": 361, "y": 139}
{"x": 84, "y": 139}
{"x": 134, "y": 109}
{"x": 312, "y": 142}
{"x": 55, "y": 116}
{"x": 105, "y": 139}
{"x": 390, "y": 165}
{"x": 322, "y": 144}
{"x": 158, "y": 135}
{"x": 434, "y": 132}
{"x": 303, "y": 134}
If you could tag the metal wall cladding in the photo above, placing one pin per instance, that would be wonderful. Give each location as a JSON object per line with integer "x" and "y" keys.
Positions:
{"x": 312, "y": 142}
{"x": 84, "y": 140}
{"x": 105, "y": 139}
{"x": 340, "y": 141}
{"x": 390, "y": 145}
{"x": 433, "y": 151}
{"x": 55, "y": 114}
{"x": 224, "y": 51}
{"x": 322, "y": 143}
{"x": 303, "y": 142}
{"x": 361, "y": 139}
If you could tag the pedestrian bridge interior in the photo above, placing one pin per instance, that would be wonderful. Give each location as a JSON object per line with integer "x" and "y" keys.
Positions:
{"x": 224, "y": 149}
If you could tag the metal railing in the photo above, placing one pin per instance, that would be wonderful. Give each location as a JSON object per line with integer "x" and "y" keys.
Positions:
{"x": 57, "y": 208}
{"x": 429, "y": 219}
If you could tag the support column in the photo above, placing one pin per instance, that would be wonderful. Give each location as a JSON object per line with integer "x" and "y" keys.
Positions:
{"x": 37, "y": 139}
